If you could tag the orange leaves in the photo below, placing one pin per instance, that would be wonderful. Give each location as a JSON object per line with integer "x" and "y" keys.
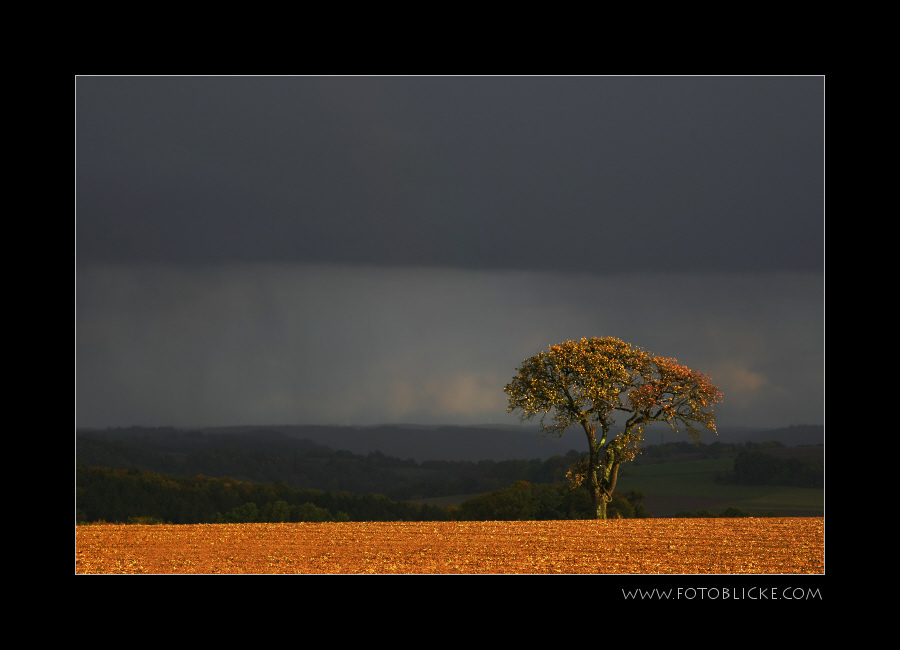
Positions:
{"x": 586, "y": 382}
{"x": 590, "y": 379}
{"x": 682, "y": 380}
{"x": 674, "y": 392}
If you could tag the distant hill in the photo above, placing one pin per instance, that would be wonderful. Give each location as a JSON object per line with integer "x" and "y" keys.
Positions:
{"x": 416, "y": 462}
{"x": 498, "y": 442}
{"x": 794, "y": 435}
{"x": 473, "y": 443}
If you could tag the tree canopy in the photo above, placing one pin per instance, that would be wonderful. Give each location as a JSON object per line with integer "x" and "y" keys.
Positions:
{"x": 593, "y": 381}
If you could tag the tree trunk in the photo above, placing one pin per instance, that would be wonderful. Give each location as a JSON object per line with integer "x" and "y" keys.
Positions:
{"x": 605, "y": 489}
{"x": 599, "y": 488}
{"x": 593, "y": 485}
{"x": 597, "y": 498}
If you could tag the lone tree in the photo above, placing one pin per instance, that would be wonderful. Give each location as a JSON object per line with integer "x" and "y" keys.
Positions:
{"x": 587, "y": 382}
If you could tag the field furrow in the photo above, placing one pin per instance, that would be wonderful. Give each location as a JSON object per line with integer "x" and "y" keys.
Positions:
{"x": 625, "y": 546}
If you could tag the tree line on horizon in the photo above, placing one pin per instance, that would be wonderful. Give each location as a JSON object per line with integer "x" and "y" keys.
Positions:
{"x": 302, "y": 464}
{"x": 104, "y": 495}
{"x": 144, "y": 497}
{"x": 135, "y": 495}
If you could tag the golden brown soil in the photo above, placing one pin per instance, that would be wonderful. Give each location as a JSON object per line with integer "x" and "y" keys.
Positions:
{"x": 650, "y": 546}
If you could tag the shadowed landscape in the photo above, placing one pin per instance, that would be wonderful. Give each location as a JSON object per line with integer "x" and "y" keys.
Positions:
{"x": 673, "y": 478}
{"x": 421, "y": 269}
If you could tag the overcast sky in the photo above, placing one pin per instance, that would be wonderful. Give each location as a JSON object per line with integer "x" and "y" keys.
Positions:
{"x": 365, "y": 250}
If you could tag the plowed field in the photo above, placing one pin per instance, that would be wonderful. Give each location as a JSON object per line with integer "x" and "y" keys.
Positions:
{"x": 650, "y": 546}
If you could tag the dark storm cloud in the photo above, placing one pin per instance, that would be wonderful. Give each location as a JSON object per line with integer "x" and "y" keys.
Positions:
{"x": 352, "y": 345}
{"x": 578, "y": 174}
{"x": 372, "y": 250}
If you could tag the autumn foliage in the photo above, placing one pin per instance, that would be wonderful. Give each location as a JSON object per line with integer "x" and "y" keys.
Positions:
{"x": 591, "y": 383}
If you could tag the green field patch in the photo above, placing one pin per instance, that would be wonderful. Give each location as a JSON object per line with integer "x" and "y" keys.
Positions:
{"x": 689, "y": 478}
{"x": 694, "y": 482}
{"x": 780, "y": 499}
